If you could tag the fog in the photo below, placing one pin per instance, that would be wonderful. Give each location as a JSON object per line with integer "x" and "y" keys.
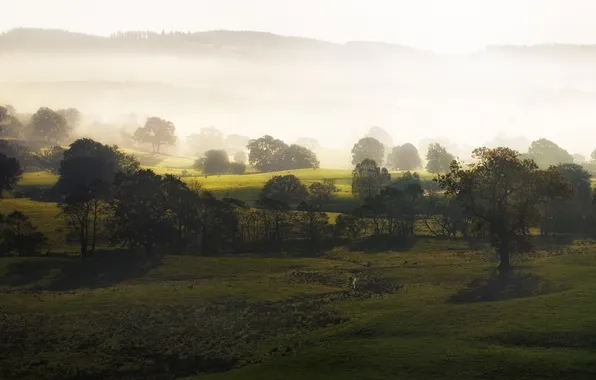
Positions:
{"x": 333, "y": 93}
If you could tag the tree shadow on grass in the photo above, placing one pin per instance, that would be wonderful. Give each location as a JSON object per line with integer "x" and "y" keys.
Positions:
{"x": 502, "y": 287}
{"x": 62, "y": 274}
{"x": 383, "y": 243}
{"x": 546, "y": 339}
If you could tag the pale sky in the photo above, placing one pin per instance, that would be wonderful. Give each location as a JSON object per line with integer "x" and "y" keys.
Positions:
{"x": 441, "y": 25}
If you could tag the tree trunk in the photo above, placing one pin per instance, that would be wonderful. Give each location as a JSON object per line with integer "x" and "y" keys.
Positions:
{"x": 94, "y": 228}
{"x": 504, "y": 253}
{"x": 83, "y": 241}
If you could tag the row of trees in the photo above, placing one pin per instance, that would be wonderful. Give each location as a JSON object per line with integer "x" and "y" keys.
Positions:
{"x": 105, "y": 196}
{"x": 46, "y": 124}
{"x": 543, "y": 152}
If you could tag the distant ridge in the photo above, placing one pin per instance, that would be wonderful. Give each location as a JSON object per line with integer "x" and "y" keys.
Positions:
{"x": 56, "y": 40}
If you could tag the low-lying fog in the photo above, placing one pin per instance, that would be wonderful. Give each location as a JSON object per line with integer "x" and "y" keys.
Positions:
{"x": 464, "y": 101}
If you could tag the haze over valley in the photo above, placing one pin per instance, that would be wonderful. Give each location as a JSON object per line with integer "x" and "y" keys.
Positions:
{"x": 256, "y": 83}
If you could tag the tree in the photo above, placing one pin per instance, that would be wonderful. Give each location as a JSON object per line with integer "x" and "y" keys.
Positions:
{"x": 368, "y": 148}
{"x": 156, "y": 132}
{"x": 286, "y": 189}
{"x": 404, "y": 157}
{"x": 500, "y": 194}
{"x": 214, "y": 162}
{"x": 569, "y": 215}
{"x": 49, "y": 159}
{"x": 10, "y": 125}
{"x": 393, "y": 211}
{"x": 50, "y": 125}
{"x": 380, "y": 135}
{"x": 209, "y": 138}
{"x": 546, "y": 153}
{"x": 83, "y": 210}
{"x": 20, "y": 235}
{"x": 264, "y": 151}
{"x": 72, "y": 117}
{"x": 21, "y": 153}
{"x": 593, "y": 156}
{"x": 438, "y": 160}
{"x": 295, "y": 157}
{"x": 368, "y": 179}
{"x": 350, "y": 227}
{"x": 313, "y": 225}
{"x": 140, "y": 215}
{"x": 240, "y": 157}
{"x": 237, "y": 168}
{"x": 322, "y": 192}
{"x": 10, "y": 173}
{"x": 87, "y": 162}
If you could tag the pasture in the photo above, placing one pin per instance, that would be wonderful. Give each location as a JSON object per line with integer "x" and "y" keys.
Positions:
{"x": 434, "y": 311}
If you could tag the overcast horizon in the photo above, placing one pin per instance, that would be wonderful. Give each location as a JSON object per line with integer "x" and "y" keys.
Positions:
{"x": 457, "y": 26}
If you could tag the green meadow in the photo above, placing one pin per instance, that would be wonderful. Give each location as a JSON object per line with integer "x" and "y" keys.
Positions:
{"x": 436, "y": 310}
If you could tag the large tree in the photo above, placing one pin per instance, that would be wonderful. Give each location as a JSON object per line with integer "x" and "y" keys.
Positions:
{"x": 368, "y": 148}
{"x": 87, "y": 162}
{"x": 10, "y": 126}
{"x": 501, "y": 194}
{"x": 546, "y": 153}
{"x": 83, "y": 210}
{"x": 156, "y": 132}
{"x": 50, "y": 125}
{"x": 72, "y": 117}
{"x": 263, "y": 152}
{"x": 404, "y": 157}
{"x": 140, "y": 212}
{"x": 438, "y": 159}
{"x": 287, "y": 189}
{"x": 213, "y": 162}
{"x": 368, "y": 179}
{"x": 295, "y": 157}
{"x": 10, "y": 173}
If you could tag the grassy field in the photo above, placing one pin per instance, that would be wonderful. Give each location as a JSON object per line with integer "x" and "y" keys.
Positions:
{"x": 434, "y": 312}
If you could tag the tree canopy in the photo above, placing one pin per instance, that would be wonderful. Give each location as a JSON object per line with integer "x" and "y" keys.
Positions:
{"x": 368, "y": 148}
{"x": 500, "y": 194}
{"x": 438, "y": 160}
{"x": 10, "y": 173}
{"x": 263, "y": 152}
{"x": 50, "y": 125}
{"x": 87, "y": 162}
{"x": 286, "y": 189}
{"x": 546, "y": 153}
{"x": 156, "y": 132}
{"x": 368, "y": 179}
{"x": 404, "y": 157}
{"x": 213, "y": 162}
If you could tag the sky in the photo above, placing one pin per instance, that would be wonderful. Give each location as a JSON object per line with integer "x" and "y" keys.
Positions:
{"x": 446, "y": 26}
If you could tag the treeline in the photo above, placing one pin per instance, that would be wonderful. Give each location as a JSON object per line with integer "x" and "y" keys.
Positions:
{"x": 106, "y": 198}
{"x": 378, "y": 145}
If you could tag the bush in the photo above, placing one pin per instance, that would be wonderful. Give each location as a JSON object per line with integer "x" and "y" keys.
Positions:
{"x": 19, "y": 236}
{"x": 237, "y": 168}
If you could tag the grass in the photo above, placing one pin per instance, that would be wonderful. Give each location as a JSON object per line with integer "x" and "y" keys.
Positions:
{"x": 45, "y": 217}
{"x": 433, "y": 312}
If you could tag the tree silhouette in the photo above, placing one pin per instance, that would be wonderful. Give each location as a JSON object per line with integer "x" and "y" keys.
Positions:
{"x": 156, "y": 132}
